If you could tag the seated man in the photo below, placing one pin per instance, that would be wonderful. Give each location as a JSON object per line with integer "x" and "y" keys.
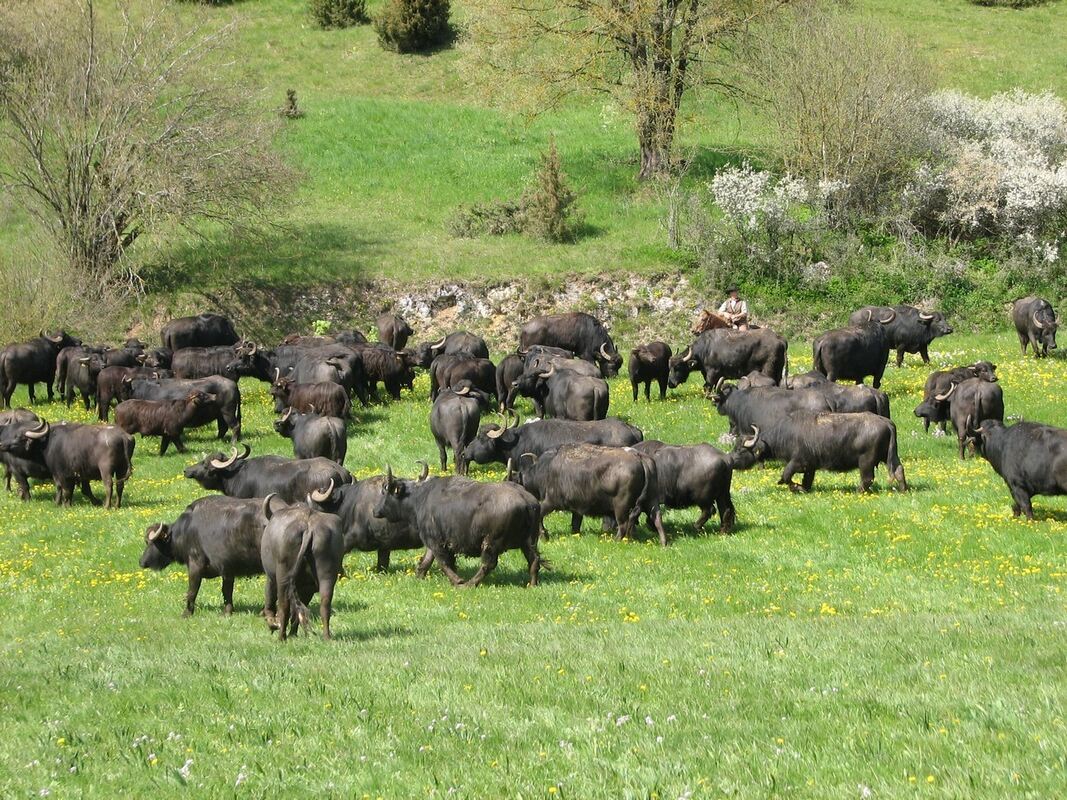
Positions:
{"x": 735, "y": 310}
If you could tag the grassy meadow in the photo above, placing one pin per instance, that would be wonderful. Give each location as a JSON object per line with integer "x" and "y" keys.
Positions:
{"x": 885, "y": 645}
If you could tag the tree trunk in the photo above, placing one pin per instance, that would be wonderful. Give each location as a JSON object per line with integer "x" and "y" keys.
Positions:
{"x": 655, "y": 137}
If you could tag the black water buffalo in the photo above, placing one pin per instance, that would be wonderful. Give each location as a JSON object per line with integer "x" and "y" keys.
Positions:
{"x": 167, "y": 419}
{"x": 354, "y": 503}
{"x": 457, "y": 516}
{"x": 81, "y": 374}
{"x": 808, "y": 441}
{"x": 1035, "y": 322}
{"x": 854, "y": 352}
{"x": 18, "y": 467}
{"x": 454, "y": 421}
{"x": 507, "y": 372}
{"x": 158, "y": 358}
{"x": 852, "y": 399}
{"x": 328, "y": 399}
{"x": 763, "y": 405}
{"x": 650, "y": 362}
{"x": 382, "y": 364}
{"x": 805, "y": 380}
{"x": 582, "y": 334}
{"x": 31, "y": 363}
{"x": 932, "y": 409}
{"x": 726, "y": 353}
{"x": 498, "y": 444}
{"x": 757, "y": 380}
{"x": 67, "y": 364}
{"x": 314, "y": 368}
{"x": 911, "y": 331}
{"x": 113, "y": 384}
{"x": 393, "y": 331}
{"x": 215, "y": 537}
{"x": 289, "y": 478}
{"x": 968, "y": 402}
{"x": 229, "y": 361}
{"x": 539, "y": 359}
{"x": 203, "y": 330}
{"x": 694, "y": 475}
{"x": 455, "y": 343}
{"x": 591, "y": 480}
{"x": 74, "y": 453}
{"x": 448, "y": 370}
{"x": 226, "y": 392}
{"x": 314, "y": 435}
{"x": 562, "y": 394}
{"x": 1031, "y": 458}
{"x": 302, "y": 550}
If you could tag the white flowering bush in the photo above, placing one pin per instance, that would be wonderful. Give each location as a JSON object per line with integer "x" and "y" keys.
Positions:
{"x": 998, "y": 169}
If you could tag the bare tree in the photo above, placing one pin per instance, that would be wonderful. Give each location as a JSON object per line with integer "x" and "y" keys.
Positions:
{"x": 645, "y": 53}
{"x": 112, "y": 131}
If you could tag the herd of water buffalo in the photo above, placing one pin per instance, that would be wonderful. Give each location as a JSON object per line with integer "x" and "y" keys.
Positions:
{"x": 293, "y": 519}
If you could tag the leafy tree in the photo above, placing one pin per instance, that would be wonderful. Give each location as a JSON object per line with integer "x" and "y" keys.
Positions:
{"x": 647, "y": 54}
{"x": 110, "y": 132}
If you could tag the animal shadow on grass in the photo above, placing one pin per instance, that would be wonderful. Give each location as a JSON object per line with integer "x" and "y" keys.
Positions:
{"x": 510, "y": 575}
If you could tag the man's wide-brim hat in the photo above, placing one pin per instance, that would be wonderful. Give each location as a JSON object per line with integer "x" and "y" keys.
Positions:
{"x": 731, "y": 289}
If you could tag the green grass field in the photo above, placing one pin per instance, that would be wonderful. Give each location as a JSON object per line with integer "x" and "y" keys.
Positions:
{"x": 902, "y": 645}
{"x": 392, "y": 144}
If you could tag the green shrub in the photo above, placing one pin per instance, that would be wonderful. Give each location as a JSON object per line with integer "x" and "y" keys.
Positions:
{"x": 414, "y": 26}
{"x": 545, "y": 211}
{"x": 339, "y": 13}
{"x": 548, "y": 207}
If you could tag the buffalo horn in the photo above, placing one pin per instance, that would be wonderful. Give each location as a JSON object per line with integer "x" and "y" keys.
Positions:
{"x": 1037, "y": 324}
{"x": 154, "y": 532}
{"x": 531, "y": 456}
{"x": 604, "y": 351}
{"x": 946, "y": 395}
{"x": 38, "y": 432}
{"x": 425, "y": 471}
{"x": 751, "y": 441}
{"x": 892, "y": 316}
{"x": 925, "y": 317}
{"x": 549, "y": 374}
{"x": 509, "y": 473}
{"x": 466, "y": 390}
{"x": 439, "y": 345}
{"x": 688, "y": 353}
{"x": 228, "y": 462}
{"x": 288, "y": 413}
{"x": 497, "y": 432}
{"x": 324, "y": 495}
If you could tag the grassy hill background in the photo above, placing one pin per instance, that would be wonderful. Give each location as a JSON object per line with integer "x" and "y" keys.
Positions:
{"x": 391, "y": 145}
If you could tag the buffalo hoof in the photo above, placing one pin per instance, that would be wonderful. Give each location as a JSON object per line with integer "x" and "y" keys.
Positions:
{"x": 227, "y": 610}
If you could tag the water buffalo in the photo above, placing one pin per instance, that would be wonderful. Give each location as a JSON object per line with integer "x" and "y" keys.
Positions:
{"x": 911, "y": 330}
{"x": 113, "y": 384}
{"x": 456, "y": 343}
{"x": 728, "y": 353}
{"x": 563, "y": 394}
{"x": 931, "y": 409}
{"x": 328, "y": 399}
{"x": 215, "y": 537}
{"x": 314, "y": 435}
{"x": 763, "y": 405}
{"x": 291, "y": 479}
{"x": 854, "y": 352}
{"x": 650, "y": 362}
{"x": 694, "y": 475}
{"x": 226, "y": 392}
{"x": 1035, "y": 322}
{"x": 233, "y": 361}
{"x": 589, "y": 479}
{"x": 448, "y": 370}
{"x": 458, "y": 516}
{"x": 74, "y": 453}
{"x": 499, "y": 444}
{"x": 393, "y": 331}
{"x": 757, "y": 380}
{"x": 1031, "y": 458}
{"x": 18, "y": 467}
{"x": 805, "y": 380}
{"x": 167, "y": 419}
{"x": 507, "y": 372}
{"x": 384, "y": 365}
{"x": 302, "y": 550}
{"x": 582, "y": 334}
{"x": 354, "y": 503}
{"x": 968, "y": 402}
{"x": 31, "y": 363}
{"x": 67, "y": 364}
{"x": 203, "y": 330}
{"x": 454, "y": 421}
{"x": 808, "y": 441}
